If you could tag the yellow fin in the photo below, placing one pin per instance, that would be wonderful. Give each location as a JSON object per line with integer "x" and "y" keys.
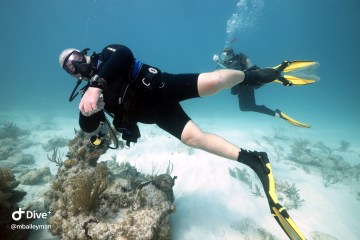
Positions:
{"x": 293, "y": 121}
{"x": 298, "y": 72}
{"x": 288, "y": 225}
{"x": 295, "y": 65}
{"x": 279, "y": 212}
{"x": 296, "y": 81}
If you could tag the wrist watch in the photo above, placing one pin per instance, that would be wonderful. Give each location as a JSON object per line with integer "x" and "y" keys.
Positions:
{"x": 97, "y": 81}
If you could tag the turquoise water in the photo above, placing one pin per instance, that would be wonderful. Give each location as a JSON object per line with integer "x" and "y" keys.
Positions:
{"x": 182, "y": 37}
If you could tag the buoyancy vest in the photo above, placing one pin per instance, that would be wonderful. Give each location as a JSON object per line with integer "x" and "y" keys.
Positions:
{"x": 143, "y": 79}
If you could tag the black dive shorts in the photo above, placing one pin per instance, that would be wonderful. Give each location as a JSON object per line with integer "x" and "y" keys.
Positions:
{"x": 163, "y": 107}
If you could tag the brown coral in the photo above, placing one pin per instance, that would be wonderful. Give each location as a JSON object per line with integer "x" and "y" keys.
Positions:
{"x": 81, "y": 149}
{"x": 8, "y": 204}
{"x": 102, "y": 201}
{"x": 87, "y": 189}
{"x": 6, "y": 176}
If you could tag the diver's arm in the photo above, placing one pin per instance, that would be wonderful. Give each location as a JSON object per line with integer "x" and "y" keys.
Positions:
{"x": 219, "y": 62}
{"x": 92, "y": 101}
{"x": 118, "y": 60}
{"x": 221, "y": 65}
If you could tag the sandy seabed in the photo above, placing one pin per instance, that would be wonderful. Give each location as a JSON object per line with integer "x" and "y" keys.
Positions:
{"x": 210, "y": 202}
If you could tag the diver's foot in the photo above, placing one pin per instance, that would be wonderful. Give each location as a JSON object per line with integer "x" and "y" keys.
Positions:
{"x": 257, "y": 161}
{"x": 278, "y": 114}
{"x": 260, "y": 76}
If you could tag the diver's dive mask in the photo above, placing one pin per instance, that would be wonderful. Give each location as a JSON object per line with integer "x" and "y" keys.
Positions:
{"x": 75, "y": 64}
{"x": 74, "y": 60}
{"x": 226, "y": 56}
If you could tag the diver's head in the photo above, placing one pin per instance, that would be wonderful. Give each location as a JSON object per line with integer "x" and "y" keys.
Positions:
{"x": 76, "y": 62}
{"x": 228, "y": 53}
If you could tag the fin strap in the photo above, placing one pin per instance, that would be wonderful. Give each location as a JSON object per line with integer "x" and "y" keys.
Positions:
{"x": 284, "y": 81}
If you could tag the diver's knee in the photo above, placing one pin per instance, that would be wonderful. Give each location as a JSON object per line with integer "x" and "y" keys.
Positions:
{"x": 191, "y": 140}
{"x": 210, "y": 83}
{"x": 191, "y": 135}
{"x": 245, "y": 107}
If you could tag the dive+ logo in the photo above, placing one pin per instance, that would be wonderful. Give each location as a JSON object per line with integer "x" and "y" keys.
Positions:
{"x": 17, "y": 215}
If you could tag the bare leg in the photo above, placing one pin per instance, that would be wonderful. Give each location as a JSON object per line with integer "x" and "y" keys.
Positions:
{"x": 209, "y": 84}
{"x": 193, "y": 136}
{"x": 213, "y": 82}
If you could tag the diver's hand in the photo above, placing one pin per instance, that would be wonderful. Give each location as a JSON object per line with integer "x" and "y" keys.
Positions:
{"x": 92, "y": 101}
{"x": 216, "y": 58}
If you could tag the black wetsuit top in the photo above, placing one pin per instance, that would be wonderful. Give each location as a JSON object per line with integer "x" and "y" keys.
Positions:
{"x": 160, "y": 106}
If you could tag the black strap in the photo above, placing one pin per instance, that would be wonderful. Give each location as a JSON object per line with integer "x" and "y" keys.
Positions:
{"x": 281, "y": 68}
{"x": 148, "y": 79}
{"x": 124, "y": 120}
{"x": 82, "y": 90}
{"x": 112, "y": 131}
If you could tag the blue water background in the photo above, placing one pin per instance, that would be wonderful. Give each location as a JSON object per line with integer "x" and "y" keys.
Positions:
{"x": 182, "y": 36}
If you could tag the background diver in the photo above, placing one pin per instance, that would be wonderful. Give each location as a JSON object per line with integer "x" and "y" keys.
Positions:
{"x": 246, "y": 92}
{"x": 133, "y": 92}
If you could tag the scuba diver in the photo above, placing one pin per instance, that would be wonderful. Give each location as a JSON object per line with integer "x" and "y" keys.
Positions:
{"x": 246, "y": 92}
{"x": 132, "y": 92}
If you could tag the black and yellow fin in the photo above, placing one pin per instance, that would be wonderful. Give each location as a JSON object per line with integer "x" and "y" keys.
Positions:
{"x": 289, "y": 66}
{"x": 290, "y": 70}
{"x": 264, "y": 172}
{"x": 296, "y": 81}
{"x": 292, "y": 121}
